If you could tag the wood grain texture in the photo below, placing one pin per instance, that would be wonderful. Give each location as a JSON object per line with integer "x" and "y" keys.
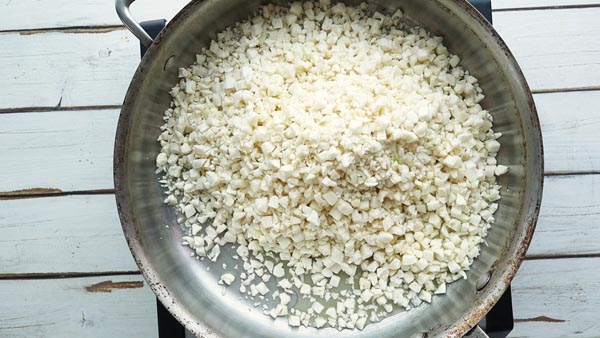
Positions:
{"x": 72, "y": 150}
{"x": 65, "y": 150}
{"x": 62, "y": 235}
{"x": 521, "y": 4}
{"x": 555, "y": 48}
{"x": 557, "y": 298}
{"x": 570, "y": 124}
{"x": 72, "y": 13}
{"x": 60, "y": 151}
{"x": 36, "y": 14}
{"x": 60, "y": 69}
{"x": 83, "y": 234}
{"x": 42, "y": 14}
{"x": 569, "y": 222}
{"x": 109, "y": 286}
{"x": 86, "y": 68}
{"x": 552, "y": 299}
{"x": 59, "y": 308}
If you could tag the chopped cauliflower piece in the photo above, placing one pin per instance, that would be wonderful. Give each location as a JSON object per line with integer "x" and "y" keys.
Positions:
{"x": 344, "y": 152}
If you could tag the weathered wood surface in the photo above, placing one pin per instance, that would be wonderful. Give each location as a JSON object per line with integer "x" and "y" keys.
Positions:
{"x": 67, "y": 234}
{"x": 569, "y": 222}
{"x": 524, "y": 4}
{"x": 66, "y": 54}
{"x": 92, "y": 307}
{"x": 557, "y": 49}
{"x": 44, "y": 14}
{"x": 48, "y": 14}
{"x": 64, "y": 150}
{"x": 61, "y": 69}
{"x": 570, "y": 123}
{"x": 94, "y": 67}
{"x": 552, "y": 299}
{"x": 557, "y": 298}
{"x": 72, "y": 150}
{"x": 78, "y": 234}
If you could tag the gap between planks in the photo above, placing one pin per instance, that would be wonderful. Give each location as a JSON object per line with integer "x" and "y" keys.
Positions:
{"x": 63, "y": 275}
{"x": 107, "y": 107}
{"x": 566, "y": 256}
{"x": 571, "y": 173}
{"x": 66, "y": 275}
{"x": 58, "y": 108}
{"x": 565, "y": 90}
{"x": 52, "y": 192}
{"x": 540, "y": 8}
{"x": 71, "y": 29}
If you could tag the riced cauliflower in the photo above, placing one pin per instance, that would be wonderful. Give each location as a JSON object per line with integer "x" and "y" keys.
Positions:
{"x": 343, "y": 151}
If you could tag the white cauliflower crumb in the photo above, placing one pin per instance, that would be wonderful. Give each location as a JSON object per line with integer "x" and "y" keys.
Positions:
{"x": 227, "y": 279}
{"x": 344, "y": 152}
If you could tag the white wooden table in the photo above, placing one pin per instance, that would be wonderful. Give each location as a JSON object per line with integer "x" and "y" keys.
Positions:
{"x": 65, "y": 269}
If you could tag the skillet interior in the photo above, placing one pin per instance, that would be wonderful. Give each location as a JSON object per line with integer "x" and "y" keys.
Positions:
{"x": 191, "y": 293}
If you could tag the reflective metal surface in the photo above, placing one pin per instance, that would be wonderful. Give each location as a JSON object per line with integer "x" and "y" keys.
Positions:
{"x": 122, "y": 7}
{"x": 191, "y": 292}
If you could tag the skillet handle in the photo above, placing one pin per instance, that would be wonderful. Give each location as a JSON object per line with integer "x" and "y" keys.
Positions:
{"x": 122, "y": 7}
{"x": 477, "y": 332}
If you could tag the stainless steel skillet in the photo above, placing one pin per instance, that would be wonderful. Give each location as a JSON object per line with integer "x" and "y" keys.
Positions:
{"x": 190, "y": 292}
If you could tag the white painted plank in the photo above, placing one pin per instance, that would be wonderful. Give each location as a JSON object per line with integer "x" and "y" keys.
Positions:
{"x": 551, "y": 299}
{"x": 569, "y": 221}
{"x": 35, "y": 14}
{"x": 62, "y": 234}
{"x": 68, "y": 230}
{"x": 66, "y": 150}
{"x": 570, "y": 124}
{"x": 72, "y": 150}
{"x": 59, "y": 308}
{"x": 85, "y": 69}
{"x": 555, "y": 48}
{"x": 70, "y": 69}
{"x": 557, "y": 298}
{"x": 510, "y": 4}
